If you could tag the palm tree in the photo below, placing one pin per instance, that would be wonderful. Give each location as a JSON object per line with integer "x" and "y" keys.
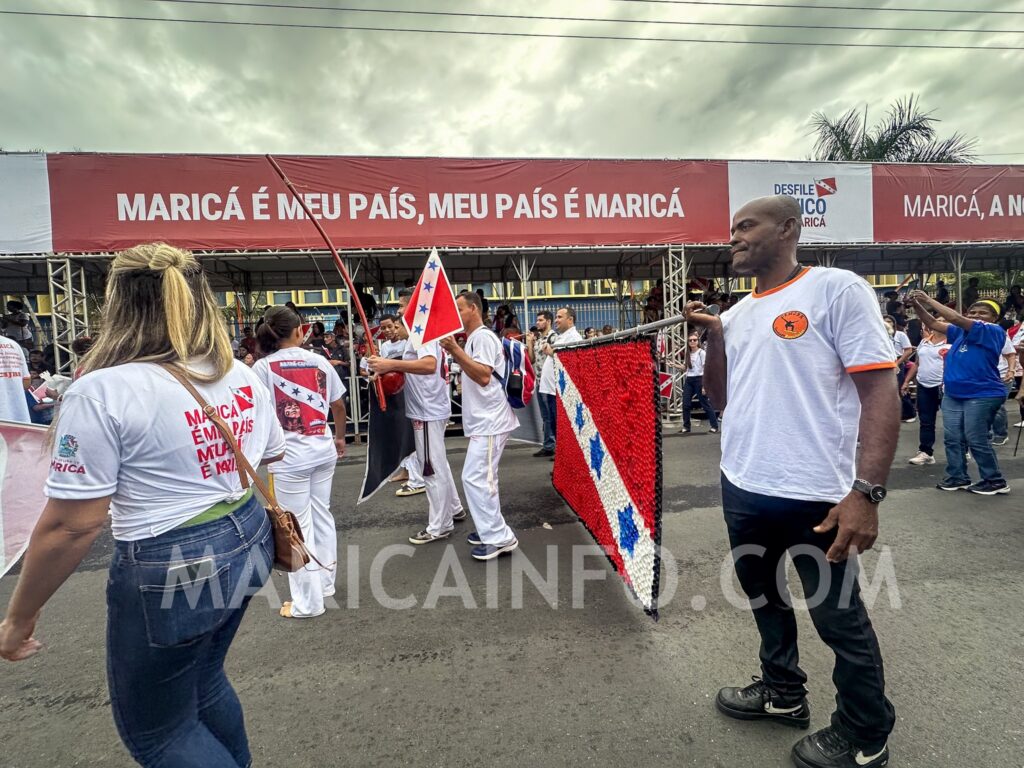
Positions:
{"x": 904, "y": 135}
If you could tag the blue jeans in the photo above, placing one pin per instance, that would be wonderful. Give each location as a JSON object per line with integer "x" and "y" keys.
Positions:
{"x": 549, "y": 412}
{"x": 1000, "y": 422}
{"x": 965, "y": 425}
{"x": 694, "y": 387}
{"x": 906, "y": 403}
{"x": 928, "y": 399}
{"x": 761, "y": 530}
{"x": 174, "y": 604}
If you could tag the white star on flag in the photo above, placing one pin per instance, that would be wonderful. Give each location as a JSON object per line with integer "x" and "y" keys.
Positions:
{"x": 432, "y": 313}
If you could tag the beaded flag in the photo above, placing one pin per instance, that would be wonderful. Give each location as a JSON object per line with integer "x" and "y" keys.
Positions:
{"x": 608, "y": 464}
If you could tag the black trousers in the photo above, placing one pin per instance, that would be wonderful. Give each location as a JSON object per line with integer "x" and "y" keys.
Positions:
{"x": 761, "y": 530}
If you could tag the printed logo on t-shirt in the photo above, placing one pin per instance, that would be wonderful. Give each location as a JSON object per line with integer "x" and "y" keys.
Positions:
{"x": 790, "y": 325}
{"x": 300, "y": 395}
{"x": 67, "y": 449}
{"x": 943, "y": 352}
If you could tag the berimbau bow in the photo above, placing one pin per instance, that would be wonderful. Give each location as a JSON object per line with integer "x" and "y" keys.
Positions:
{"x": 389, "y": 382}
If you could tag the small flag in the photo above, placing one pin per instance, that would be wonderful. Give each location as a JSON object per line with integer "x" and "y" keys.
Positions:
{"x": 432, "y": 313}
{"x": 243, "y": 397}
{"x": 665, "y": 384}
{"x": 825, "y": 187}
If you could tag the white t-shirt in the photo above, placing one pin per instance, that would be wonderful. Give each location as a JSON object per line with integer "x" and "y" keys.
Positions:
{"x": 540, "y": 357}
{"x": 931, "y": 360}
{"x": 303, "y": 386}
{"x": 696, "y": 363}
{"x": 134, "y": 432}
{"x": 793, "y": 411}
{"x": 548, "y": 385}
{"x": 1008, "y": 349}
{"x": 1017, "y": 340}
{"x": 485, "y": 410}
{"x": 426, "y": 395}
{"x": 13, "y": 372}
{"x": 900, "y": 343}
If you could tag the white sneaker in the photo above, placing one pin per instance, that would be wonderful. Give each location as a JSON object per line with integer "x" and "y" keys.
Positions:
{"x": 911, "y": 420}
{"x": 921, "y": 459}
{"x": 1019, "y": 425}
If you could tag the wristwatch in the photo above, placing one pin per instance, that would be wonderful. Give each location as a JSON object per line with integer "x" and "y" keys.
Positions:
{"x": 875, "y": 493}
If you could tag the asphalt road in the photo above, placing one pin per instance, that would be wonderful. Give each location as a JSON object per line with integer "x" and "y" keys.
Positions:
{"x": 572, "y": 674}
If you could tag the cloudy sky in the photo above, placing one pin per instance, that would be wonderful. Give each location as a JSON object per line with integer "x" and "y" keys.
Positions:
{"x": 157, "y": 86}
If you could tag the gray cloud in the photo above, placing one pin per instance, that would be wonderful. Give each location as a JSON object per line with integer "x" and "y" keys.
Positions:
{"x": 160, "y": 87}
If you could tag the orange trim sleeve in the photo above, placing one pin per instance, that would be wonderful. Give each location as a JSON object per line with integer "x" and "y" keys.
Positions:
{"x": 870, "y": 367}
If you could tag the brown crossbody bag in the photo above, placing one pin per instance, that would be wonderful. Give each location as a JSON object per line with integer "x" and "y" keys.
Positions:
{"x": 290, "y": 552}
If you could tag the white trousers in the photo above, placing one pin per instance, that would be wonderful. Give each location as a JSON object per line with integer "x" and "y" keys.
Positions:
{"x": 308, "y": 495}
{"x": 480, "y": 482}
{"x": 442, "y": 496}
{"x": 412, "y": 465}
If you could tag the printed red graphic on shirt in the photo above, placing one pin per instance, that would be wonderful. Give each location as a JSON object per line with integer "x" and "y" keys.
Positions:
{"x": 300, "y": 396}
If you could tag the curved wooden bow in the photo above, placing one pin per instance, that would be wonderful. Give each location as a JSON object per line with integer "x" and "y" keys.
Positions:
{"x": 370, "y": 346}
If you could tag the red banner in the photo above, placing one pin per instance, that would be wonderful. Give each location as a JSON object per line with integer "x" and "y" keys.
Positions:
{"x": 108, "y": 202}
{"x": 937, "y": 203}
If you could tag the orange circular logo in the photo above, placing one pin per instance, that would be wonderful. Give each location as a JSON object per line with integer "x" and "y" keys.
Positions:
{"x": 790, "y": 325}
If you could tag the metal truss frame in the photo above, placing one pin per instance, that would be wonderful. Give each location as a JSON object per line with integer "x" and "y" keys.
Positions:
{"x": 69, "y": 310}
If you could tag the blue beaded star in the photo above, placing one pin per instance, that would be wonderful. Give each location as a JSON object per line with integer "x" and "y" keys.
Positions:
{"x": 428, "y": 287}
{"x": 628, "y": 534}
{"x": 432, "y": 264}
{"x": 417, "y": 329}
{"x": 580, "y": 421}
{"x": 424, "y": 308}
{"x": 561, "y": 380}
{"x": 596, "y": 455}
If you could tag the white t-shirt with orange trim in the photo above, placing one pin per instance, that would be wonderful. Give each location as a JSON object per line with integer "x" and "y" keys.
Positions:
{"x": 793, "y": 414}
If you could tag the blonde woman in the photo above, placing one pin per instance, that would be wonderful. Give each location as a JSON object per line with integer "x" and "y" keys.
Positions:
{"x": 192, "y": 546}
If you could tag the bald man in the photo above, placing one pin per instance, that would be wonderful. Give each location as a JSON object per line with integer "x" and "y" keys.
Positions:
{"x": 803, "y": 367}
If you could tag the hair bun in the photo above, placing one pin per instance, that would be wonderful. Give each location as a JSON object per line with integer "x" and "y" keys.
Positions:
{"x": 166, "y": 257}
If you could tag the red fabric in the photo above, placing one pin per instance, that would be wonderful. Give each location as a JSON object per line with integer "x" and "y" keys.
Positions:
{"x": 362, "y": 201}
{"x": 931, "y": 203}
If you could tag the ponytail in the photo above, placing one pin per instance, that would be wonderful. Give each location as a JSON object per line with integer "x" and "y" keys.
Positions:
{"x": 278, "y": 324}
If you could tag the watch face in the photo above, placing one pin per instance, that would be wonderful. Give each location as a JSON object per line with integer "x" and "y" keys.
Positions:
{"x": 877, "y": 493}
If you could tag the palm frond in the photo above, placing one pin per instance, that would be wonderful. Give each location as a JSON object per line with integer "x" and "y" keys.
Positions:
{"x": 839, "y": 139}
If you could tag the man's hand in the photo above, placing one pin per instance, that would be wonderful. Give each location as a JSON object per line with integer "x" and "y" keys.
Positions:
{"x": 380, "y": 364}
{"x": 530, "y": 338}
{"x": 339, "y": 445}
{"x": 857, "y": 519}
{"x": 905, "y": 388}
{"x": 694, "y": 313}
{"x": 919, "y": 297}
{"x": 16, "y": 641}
{"x": 448, "y": 344}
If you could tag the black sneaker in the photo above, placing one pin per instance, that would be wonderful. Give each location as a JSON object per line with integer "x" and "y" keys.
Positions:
{"x": 544, "y": 452}
{"x": 953, "y": 485}
{"x": 459, "y": 516}
{"x": 759, "y": 702}
{"x": 828, "y": 748}
{"x": 989, "y": 487}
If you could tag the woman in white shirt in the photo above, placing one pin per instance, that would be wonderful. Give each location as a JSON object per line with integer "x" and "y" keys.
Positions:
{"x": 304, "y": 388}
{"x": 694, "y": 384}
{"x": 931, "y": 355}
{"x": 192, "y": 546}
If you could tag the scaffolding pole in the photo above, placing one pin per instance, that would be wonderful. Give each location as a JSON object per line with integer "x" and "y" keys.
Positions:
{"x": 674, "y": 270}
{"x": 69, "y": 311}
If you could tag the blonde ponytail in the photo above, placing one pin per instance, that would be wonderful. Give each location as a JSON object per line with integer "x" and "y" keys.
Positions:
{"x": 159, "y": 309}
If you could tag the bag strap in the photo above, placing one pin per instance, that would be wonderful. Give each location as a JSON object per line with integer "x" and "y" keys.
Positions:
{"x": 245, "y": 469}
